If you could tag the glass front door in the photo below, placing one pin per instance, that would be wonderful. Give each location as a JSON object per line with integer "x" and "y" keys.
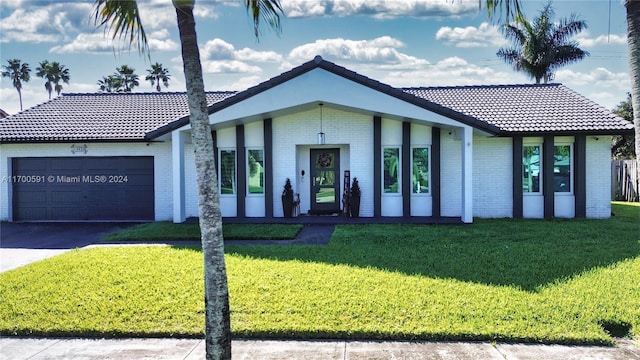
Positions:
{"x": 325, "y": 180}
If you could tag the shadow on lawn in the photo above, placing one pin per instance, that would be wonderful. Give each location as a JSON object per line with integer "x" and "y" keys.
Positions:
{"x": 525, "y": 254}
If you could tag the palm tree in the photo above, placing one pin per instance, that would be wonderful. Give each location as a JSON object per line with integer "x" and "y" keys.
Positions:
{"x": 542, "y": 46}
{"x": 127, "y": 77}
{"x": 123, "y": 18}
{"x": 53, "y": 73}
{"x": 622, "y": 146}
{"x": 158, "y": 74}
{"x": 633, "y": 39}
{"x": 110, "y": 84}
{"x": 41, "y": 71}
{"x": 17, "y": 72}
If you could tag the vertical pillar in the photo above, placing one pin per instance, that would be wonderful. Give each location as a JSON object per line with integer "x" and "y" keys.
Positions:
{"x": 435, "y": 172}
{"x": 268, "y": 168}
{"x": 406, "y": 169}
{"x": 580, "y": 176}
{"x": 377, "y": 166}
{"x": 177, "y": 166}
{"x": 517, "y": 178}
{"x": 548, "y": 186}
{"x": 241, "y": 171}
{"x": 467, "y": 174}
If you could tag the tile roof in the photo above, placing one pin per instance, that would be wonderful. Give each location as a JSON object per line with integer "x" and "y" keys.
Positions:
{"x": 98, "y": 117}
{"x": 499, "y": 110}
{"x": 527, "y": 109}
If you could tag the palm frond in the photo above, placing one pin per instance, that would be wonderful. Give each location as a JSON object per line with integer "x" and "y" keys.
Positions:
{"x": 121, "y": 18}
{"x": 267, "y": 10}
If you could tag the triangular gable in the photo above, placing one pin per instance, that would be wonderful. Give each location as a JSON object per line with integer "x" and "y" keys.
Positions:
{"x": 300, "y": 82}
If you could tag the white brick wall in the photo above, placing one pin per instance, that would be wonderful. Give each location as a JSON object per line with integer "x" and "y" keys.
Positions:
{"x": 598, "y": 177}
{"x": 161, "y": 151}
{"x": 492, "y": 177}
{"x": 450, "y": 175}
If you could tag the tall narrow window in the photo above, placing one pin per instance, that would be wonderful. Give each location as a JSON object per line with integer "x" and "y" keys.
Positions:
{"x": 420, "y": 178}
{"x": 227, "y": 172}
{"x": 562, "y": 168}
{"x": 391, "y": 169}
{"x": 255, "y": 162}
{"x": 531, "y": 168}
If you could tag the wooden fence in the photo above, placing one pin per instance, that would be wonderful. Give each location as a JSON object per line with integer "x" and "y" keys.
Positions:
{"x": 624, "y": 184}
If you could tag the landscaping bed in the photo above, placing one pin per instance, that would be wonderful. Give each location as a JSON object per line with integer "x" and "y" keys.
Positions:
{"x": 164, "y": 230}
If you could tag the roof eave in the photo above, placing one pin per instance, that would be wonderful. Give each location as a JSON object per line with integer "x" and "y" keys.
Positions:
{"x": 602, "y": 132}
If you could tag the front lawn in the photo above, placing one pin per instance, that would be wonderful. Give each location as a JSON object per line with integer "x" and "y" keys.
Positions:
{"x": 561, "y": 281}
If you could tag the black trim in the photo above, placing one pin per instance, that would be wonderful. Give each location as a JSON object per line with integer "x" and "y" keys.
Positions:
{"x": 547, "y": 177}
{"x": 268, "y": 167}
{"x": 435, "y": 172}
{"x": 406, "y": 169}
{"x": 377, "y": 166}
{"x": 214, "y": 141}
{"x": 565, "y": 133}
{"x": 518, "y": 192}
{"x": 580, "y": 176}
{"x": 241, "y": 171}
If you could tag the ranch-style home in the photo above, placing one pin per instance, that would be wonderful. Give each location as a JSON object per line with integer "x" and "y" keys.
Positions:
{"x": 522, "y": 151}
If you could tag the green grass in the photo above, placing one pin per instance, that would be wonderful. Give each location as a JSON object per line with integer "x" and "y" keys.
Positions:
{"x": 555, "y": 281}
{"x": 171, "y": 231}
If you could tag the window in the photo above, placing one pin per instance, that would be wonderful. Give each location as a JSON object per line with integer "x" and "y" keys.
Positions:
{"x": 256, "y": 171}
{"x": 420, "y": 176}
{"x": 531, "y": 156}
{"x": 562, "y": 168}
{"x": 391, "y": 168}
{"x": 227, "y": 172}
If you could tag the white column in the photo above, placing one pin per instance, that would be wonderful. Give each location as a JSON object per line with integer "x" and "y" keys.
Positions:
{"x": 177, "y": 155}
{"x": 467, "y": 174}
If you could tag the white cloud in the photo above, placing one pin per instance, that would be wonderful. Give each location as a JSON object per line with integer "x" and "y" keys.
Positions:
{"x": 597, "y": 78}
{"x": 219, "y": 56}
{"x": 230, "y": 66}
{"x": 100, "y": 43}
{"x": 585, "y": 41}
{"x": 380, "y": 9}
{"x": 86, "y": 43}
{"x": 28, "y": 26}
{"x": 157, "y": 15}
{"x": 51, "y": 23}
{"x": 160, "y": 41}
{"x": 304, "y": 8}
{"x": 451, "y": 71}
{"x": 483, "y": 36}
{"x": 382, "y": 51}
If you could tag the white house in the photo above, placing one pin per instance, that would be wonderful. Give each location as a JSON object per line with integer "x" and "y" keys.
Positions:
{"x": 533, "y": 151}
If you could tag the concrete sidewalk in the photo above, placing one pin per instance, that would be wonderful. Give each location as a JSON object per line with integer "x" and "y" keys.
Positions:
{"x": 192, "y": 349}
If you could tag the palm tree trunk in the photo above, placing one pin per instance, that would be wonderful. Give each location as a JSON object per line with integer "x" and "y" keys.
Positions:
{"x": 20, "y": 97}
{"x": 633, "y": 39}
{"x": 218, "y": 328}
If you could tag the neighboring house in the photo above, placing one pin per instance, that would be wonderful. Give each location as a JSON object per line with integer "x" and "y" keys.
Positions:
{"x": 533, "y": 151}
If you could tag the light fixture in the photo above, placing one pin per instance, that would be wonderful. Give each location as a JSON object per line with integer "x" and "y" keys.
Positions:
{"x": 321, "y": 139}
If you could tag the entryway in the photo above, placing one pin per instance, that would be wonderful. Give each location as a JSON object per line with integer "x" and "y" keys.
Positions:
{"x": 325, "y": 181}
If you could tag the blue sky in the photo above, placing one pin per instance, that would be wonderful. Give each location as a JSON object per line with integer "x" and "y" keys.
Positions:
{"x": 403, "y": 43}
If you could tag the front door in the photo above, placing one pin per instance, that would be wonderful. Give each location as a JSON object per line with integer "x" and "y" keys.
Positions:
{"x": 325, "y": 181}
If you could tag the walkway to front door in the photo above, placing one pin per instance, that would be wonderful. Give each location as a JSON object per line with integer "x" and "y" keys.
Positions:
{"x": 325, "y": 181}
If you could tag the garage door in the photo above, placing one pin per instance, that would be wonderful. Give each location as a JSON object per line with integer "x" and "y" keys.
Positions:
{"x": 82, "y": 188}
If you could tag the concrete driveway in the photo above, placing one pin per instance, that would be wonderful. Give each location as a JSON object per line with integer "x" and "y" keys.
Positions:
{"x": 24, "y": 243}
